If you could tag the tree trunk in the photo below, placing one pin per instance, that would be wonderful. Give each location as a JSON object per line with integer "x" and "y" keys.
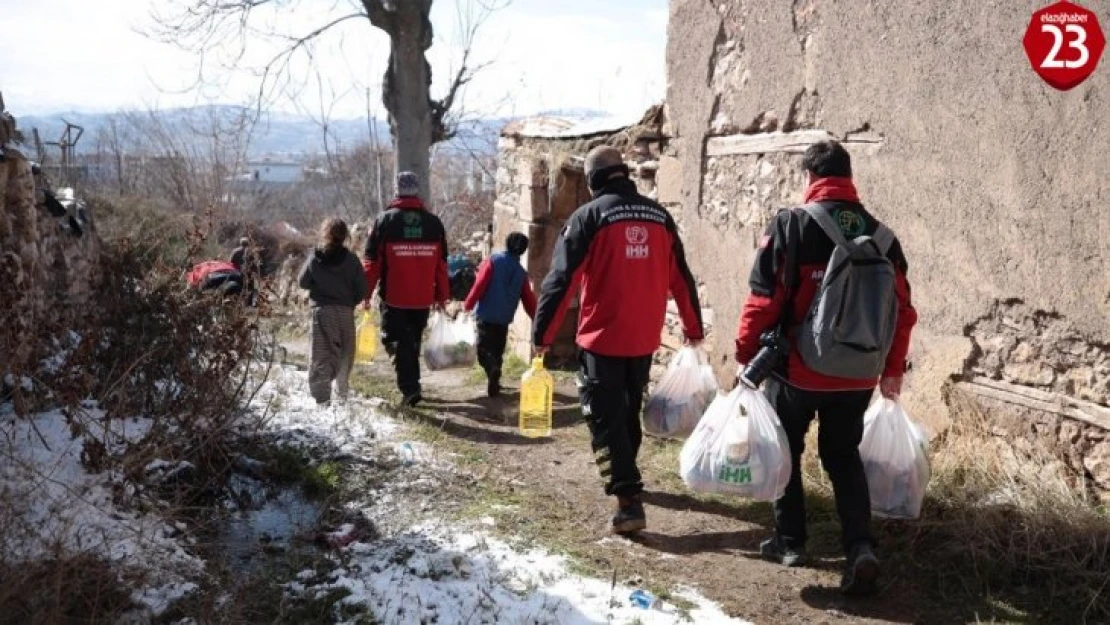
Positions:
{"x": 406, "y": 91}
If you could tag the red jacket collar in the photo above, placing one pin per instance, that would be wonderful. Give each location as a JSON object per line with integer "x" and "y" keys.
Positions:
{"x": 832, "y": 188}
{"x": 407, "y": 201}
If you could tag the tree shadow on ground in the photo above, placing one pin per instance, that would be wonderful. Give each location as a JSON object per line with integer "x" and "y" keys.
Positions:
{"x": 477, "y": 434}
{"x": 504, "y": 410}
{"x": 707, "y": 542}
{"x": 751, "y": 512}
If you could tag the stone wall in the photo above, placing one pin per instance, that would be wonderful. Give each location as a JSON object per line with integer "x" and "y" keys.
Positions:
{"x": 47, "y": 272}
{"x": 994, "y": 182}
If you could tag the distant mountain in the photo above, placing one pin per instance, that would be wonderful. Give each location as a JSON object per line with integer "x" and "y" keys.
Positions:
{"x": 275, "y": 133}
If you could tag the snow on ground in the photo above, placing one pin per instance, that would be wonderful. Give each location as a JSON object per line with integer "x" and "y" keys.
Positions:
{"x": 447, "y": 573}
{"x": 57, "y": 507}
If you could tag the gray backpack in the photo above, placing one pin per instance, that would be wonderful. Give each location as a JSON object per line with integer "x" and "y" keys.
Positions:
{"x": 849, "y": 328}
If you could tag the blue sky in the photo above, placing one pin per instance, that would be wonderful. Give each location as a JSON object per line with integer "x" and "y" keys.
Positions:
{"x": 546, "y": 54}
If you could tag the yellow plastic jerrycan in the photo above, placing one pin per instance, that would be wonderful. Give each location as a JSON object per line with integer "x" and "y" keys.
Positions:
{"x": 366, "y": 338}
{"x": 536, "y": 390}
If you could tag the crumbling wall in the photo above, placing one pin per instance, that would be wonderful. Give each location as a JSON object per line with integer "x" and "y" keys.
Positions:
{"x": 47, "y": 271}
{"x": 994, "y": 182}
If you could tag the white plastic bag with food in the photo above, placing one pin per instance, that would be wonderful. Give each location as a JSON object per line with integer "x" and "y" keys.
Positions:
{"x": 894, "y": 458}
{"x": 451, "y": 343}
{"x": 738, "y": 448}
{"x": 682, "y": 395}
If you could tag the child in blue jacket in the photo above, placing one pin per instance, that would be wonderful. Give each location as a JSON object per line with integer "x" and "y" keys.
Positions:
{"x": 501, "y": 284}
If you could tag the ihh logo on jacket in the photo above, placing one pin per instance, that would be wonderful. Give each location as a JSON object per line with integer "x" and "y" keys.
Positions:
{"x": 637, "y": 237}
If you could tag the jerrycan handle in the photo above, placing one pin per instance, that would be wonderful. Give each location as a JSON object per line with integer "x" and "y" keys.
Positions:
{"x": 537, "y": 363}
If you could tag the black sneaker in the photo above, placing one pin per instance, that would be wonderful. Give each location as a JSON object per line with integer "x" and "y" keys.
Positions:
{"x": 773, "y": 549}
{"x": 862, "y": 572}
{"x": 411, "y": 400}
{"x": 630, "y": 517}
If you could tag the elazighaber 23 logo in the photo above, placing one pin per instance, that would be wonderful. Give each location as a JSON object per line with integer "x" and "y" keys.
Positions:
{"x": 1064, "y": 43}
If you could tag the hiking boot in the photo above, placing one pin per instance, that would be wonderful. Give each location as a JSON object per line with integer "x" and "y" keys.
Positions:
{"x": 861, "y": 573}
{"x": 773, "y": 549}
{"x": 411, "y": 400}
{"x": 630, "y": 515}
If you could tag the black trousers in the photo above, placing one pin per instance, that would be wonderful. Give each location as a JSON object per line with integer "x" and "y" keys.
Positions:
{"x": 612, "y": 392}
{"x": 491, "y": 349}
{"x": 402, "y": 333}
{"x": 838, "y": 437}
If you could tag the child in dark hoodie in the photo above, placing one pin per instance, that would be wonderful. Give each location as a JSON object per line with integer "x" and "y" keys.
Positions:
{"x": 336, "y": 284}
{"x": 501, "y": 285}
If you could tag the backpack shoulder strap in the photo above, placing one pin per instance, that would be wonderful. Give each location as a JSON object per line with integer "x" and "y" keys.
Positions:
{"x": 883, "y": 238}
{"x": 819, "y": 211}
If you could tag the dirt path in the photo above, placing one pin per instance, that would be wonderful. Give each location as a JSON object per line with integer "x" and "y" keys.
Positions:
{"x": 548, "y": 491}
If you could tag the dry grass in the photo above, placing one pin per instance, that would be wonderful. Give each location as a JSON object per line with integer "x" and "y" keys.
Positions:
{"x": 999, "y": 526}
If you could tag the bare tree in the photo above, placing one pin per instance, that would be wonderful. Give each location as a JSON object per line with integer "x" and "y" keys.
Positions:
{"x": 417, "y": 120}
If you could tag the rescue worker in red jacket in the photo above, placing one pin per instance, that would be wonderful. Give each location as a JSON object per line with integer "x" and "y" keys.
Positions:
{"x": 406, "y": 257}
{"x": 623, "y": 251}
{"x": 799, "y": 393}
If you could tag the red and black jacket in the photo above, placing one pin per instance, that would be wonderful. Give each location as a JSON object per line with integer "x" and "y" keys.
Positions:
{"x": 769, "y": 291}
{"x": 407, "y": 254}
{"x": 623, "y": 250}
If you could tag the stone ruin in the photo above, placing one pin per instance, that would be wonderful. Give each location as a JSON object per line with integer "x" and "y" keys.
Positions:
{"x": 47, "y": 271}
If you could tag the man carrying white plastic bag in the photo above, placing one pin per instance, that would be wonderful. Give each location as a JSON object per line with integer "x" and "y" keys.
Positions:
{"x": 682, "y": 396}
{"x": 738, "y": 448}
{"x": 829, "y": 315}
{"x": 450, "y": 342}
{"x": 893, "y": 453}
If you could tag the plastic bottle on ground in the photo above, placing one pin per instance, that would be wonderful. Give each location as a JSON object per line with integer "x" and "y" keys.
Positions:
{"x": 643, "y": 599}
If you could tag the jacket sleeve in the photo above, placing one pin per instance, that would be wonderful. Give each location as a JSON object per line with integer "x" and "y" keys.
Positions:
{"x": 481, "y": 283}
{"x": 768, "y": 291}
{"x": 684, "y": 289}
{"x": 305, "y": 279}
{"x": 907, "y": 315}
{"x": 361, "y": 286}
{"x": 372, "y": 257}
{"x": 571, "y": 249}
{"x": 528, "y": 298}
{"x": 443, "y": 281}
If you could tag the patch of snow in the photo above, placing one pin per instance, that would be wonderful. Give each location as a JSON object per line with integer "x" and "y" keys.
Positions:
{"x": 60, "y": 507}
{"x": 292, "y": 413}
{"x": 445, "y": 574}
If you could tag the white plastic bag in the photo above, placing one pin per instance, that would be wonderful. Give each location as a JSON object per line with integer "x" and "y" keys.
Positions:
{"x": 451, "y": 343}
{"x": 894, "y": 458}
{"x": 682, "y": 395}
{"x": 738, "y": 448}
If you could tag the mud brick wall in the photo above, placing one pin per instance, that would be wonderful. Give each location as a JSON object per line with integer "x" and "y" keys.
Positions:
{"x": 994, "y": 182}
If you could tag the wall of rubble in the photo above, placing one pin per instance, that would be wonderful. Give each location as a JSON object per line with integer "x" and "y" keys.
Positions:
{"x": 47, "y": 271}
{"x": 994, "y": 182}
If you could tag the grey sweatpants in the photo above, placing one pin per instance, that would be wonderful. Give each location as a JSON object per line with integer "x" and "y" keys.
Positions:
{"x": 333, "y": 351}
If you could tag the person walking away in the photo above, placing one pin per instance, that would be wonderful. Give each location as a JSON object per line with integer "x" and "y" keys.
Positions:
{"x": 406, "y": 259}
{"x": 500, "y": 285}
{"x": 796, "y": 250}
{"x": 245, "y": 260}
{"x": 336, "y": 284}
{"x": 624, "y": 252}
